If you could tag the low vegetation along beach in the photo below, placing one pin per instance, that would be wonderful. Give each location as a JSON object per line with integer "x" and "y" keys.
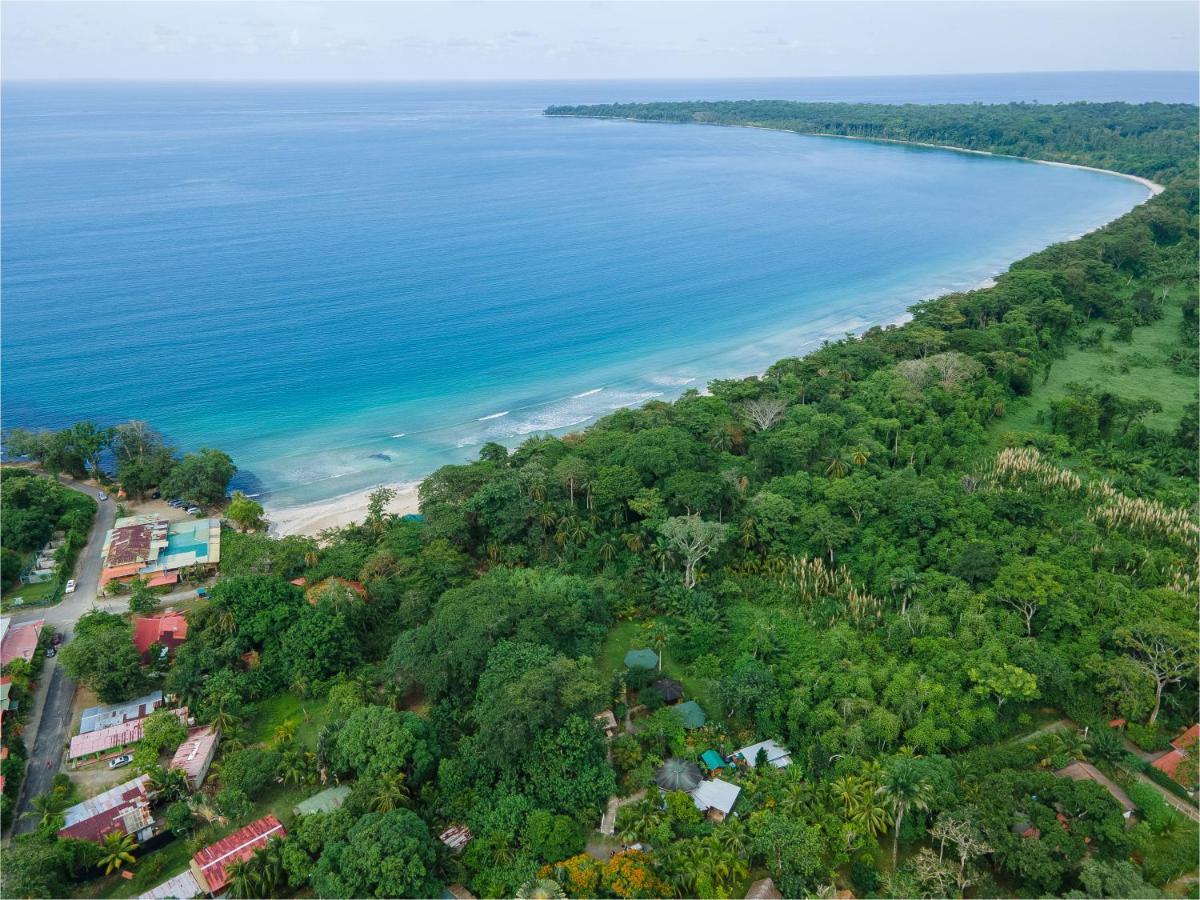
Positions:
{"x": 912, "y": 615}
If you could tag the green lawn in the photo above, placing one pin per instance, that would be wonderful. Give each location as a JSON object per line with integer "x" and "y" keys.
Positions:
{"x": 310, "y": 717}
{"x": 30, "y": 594}
{"x": 1135, "y": 370}
{"x": 636, "y": 636}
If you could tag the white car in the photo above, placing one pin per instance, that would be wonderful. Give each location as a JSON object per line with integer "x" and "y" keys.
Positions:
{"x": 70, "y": 588}
{"x": 193, "y": 510}
{"x": 103, "y": 496}
{"x": 123, "y": 760}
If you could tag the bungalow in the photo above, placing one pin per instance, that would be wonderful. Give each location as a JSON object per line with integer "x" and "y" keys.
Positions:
{"x": 5, "y": 694}
{"x": 210, "y": 867}
{"x": 690, "y": 714}
{"x": 324, "y": 801}
{"x": 314, "y": 594}
{"x": 195, "y": 754}
{"x": 168, "y": 630}
{"x": 607, "y": 722}
{"x": 777, "y": 754}
{"x": 715, "y": 798}
{"x": 96, "y": 717}
{"x": 1181, "y": 749}
{"x": 96, "y": 743}
{"x": 1082, "y": 771}
{"x": 124, "y": 808}
{"x": 456, "y": 837}
{"x": 18, "y": 641}
{"x": 764, "y": 889}
{"x": 182, "y": 887}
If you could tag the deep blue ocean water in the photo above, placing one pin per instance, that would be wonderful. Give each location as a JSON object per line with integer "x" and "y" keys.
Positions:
{"x": 345, "y": 285}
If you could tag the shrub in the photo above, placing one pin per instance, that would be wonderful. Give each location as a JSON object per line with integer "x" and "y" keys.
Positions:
{"x": 1156, "y": 812}
{"x": 1148, "y": 737}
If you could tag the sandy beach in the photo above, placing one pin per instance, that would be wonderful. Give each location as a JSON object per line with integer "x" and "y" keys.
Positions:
{"x": 337, "y": 512}
{"x": 312, "y": 518}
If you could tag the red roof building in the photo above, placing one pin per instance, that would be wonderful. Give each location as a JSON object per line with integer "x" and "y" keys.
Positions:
{"x": 18, "y": 641}
{"x": 211, "y": 865}
{"x": 124, "y": 808}
{"x": 104, "y": 739}
{"x": 1181, "y": 749}
{"x": 195, "y": 754}
{"x": 167, "y": 629}
{"x": 1187, "y": 740}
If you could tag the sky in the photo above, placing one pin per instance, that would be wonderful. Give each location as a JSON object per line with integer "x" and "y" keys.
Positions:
{"x": 588, "y": 40}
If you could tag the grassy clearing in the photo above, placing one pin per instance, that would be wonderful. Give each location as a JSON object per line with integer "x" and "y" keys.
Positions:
{"x": 636, "y": 636}
{"x": 1136, "y": 370}
{"x": 30, "y": 595}
{"x": 310, "y": 717}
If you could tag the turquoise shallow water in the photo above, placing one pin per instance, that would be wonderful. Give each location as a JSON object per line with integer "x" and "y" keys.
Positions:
{"x": 348, "y": 285}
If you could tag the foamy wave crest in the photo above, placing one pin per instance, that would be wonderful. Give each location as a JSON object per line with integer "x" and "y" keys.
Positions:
{"x": 670, "y": 380}
{"x": 555, "y": 416}
{"x": 499, "y": 415}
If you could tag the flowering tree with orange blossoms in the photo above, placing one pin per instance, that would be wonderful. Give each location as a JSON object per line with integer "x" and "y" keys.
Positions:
{"x": 629, "y": 875}
{"x": 579, "y": 875}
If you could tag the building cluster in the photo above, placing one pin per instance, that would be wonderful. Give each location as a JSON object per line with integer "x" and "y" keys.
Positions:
{"x": 153, "y": 548}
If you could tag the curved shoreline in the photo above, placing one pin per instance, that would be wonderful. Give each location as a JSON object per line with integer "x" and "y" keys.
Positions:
{"x": 1152, "y": 186}
{"x": 310, "y": 519}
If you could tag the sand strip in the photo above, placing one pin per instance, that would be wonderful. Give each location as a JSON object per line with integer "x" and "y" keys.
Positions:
{"x": 337, "y": 512}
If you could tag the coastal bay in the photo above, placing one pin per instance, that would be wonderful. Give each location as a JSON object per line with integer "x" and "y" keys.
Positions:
{"x": 348, "y": 332}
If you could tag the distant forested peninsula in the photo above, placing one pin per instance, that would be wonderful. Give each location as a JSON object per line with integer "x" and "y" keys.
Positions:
{"x": 1150, "y": 140}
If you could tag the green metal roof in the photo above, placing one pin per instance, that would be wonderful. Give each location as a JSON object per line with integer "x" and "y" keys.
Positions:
{"x": 641, "y": 659}
{"x": 712, "y": 760}
{"x": 326, "y": 801}
{"x": 690, "y": 714}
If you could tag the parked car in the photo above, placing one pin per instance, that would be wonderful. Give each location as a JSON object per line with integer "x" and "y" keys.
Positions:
{"x": 103, "y": 496}
{"x": 123, "y": 760}
{"x": 175, "y": 502}
{"x": 193, "y": 510}
{"x": 50, "y": 651}
{"x": 70, "y": 588}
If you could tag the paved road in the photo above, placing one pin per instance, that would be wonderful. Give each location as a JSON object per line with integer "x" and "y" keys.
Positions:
{"x": 50, "y": 724}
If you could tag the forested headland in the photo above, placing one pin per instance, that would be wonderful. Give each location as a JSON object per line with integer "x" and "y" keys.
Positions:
{"x": 919, "y": 559}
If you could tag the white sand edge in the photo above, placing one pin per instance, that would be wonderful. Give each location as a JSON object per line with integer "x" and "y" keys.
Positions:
{"x": 1152, "y": 186}
{"x": 312, "y": 518}
{"x": 337, "y": 512}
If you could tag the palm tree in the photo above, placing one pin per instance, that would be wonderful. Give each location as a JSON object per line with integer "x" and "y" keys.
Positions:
{"x": 732, "y": 837}
{"x": 860, "y": 456}
{"x": 391, "y": 792}
{"x": 540, "y": 889}
{"x": 607, "y": 551}
{"x": 634, "y": 541}
{"x": 225, "y": 719}
{"x": 292, "y": 766}
{"x": 285, "y": 732}
{"x": 904, "y": 582}
{"x": 48, "y": 807}
{"x": 260, "y": 875}
{"x": 904, "y": 787}
{"x": 871, "y": 817}
{"x": 836, "y": 467}
{"x": 658, "y": 639}
{"x": 116, "y": 850}
{"x": 170, "y": 783}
